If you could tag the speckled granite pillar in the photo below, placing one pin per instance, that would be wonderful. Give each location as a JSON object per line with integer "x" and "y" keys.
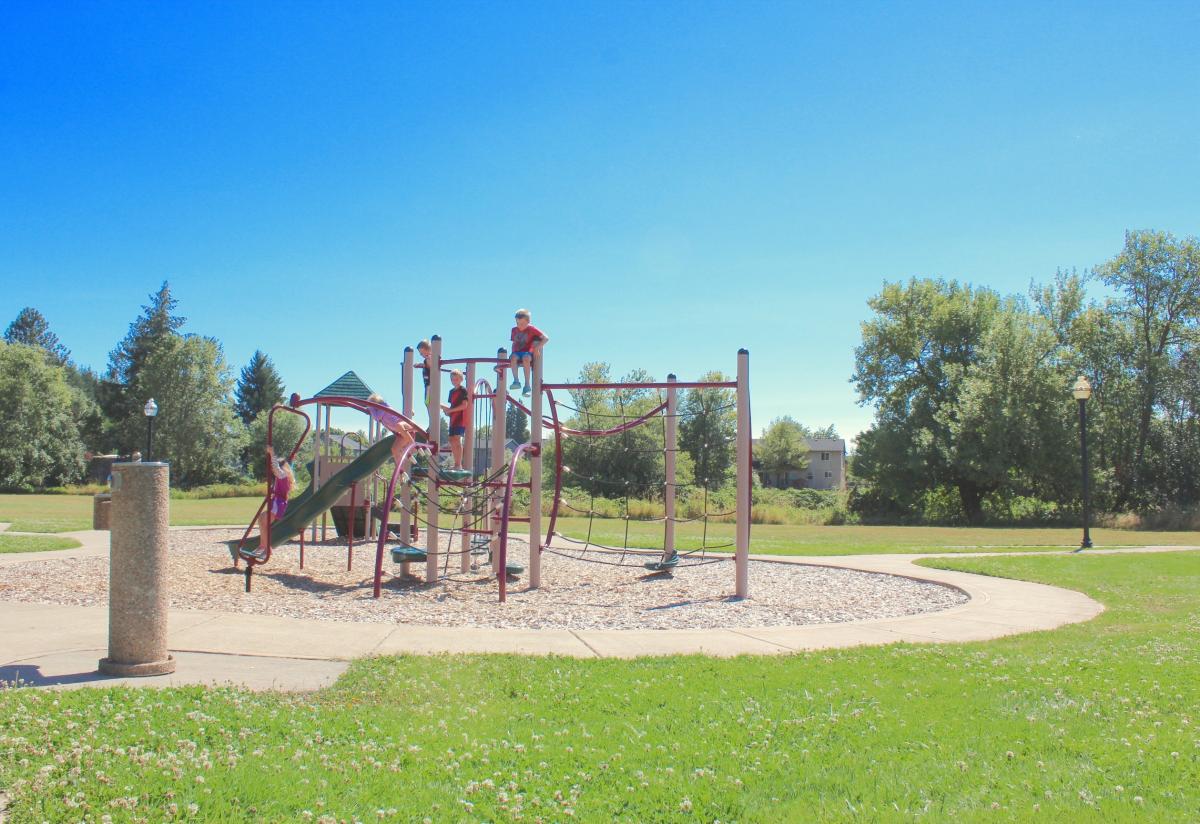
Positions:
{"x": 101, "y": 509}
{"x": 137, "y": 576}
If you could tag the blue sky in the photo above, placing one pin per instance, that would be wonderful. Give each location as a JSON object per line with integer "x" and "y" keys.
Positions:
{"x": 662, "y": 183}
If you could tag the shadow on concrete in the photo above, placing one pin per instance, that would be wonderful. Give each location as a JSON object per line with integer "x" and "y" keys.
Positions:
{"x": 30, "y": 675}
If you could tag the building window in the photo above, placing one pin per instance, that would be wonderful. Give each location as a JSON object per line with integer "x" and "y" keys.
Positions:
{"x": 828, "y": 474}
{"x": 810, "y": 476}
{"x": 824, "y": 456}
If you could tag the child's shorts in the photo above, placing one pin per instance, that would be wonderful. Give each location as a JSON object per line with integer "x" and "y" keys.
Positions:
{"x": 522, "y": 355}
{"x": 458, "y": 430}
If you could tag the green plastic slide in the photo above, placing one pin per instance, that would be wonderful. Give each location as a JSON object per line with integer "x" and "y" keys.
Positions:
{"x": 307, "y": 507}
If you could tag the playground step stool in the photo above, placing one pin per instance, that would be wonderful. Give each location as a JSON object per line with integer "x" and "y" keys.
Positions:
{"x": 401, "y": 554}
{"x": 420, "y": 469}
{"x": 663, "y": 565}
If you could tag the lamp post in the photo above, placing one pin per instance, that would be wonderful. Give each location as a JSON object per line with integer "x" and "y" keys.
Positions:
{"x": 1082, "y": 390}
{"x": 150, "y": 410}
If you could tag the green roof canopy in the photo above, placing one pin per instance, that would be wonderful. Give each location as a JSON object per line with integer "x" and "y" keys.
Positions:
{"x": 349, "y": 385}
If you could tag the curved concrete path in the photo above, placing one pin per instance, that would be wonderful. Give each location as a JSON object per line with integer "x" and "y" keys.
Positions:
{"x": 59, "y": 645}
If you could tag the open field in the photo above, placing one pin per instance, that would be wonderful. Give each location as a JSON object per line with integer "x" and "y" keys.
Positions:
{"x": 775, "y": 539}
{"x": 1091, "y": 722}
{"x": 65, "y": 513}
{"x": 33, "y": 543}
{"x": 60, "y": 513}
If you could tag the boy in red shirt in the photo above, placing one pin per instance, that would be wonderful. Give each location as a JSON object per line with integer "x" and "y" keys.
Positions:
{"x": 527, "y": 342}
{"x": 458, "y": 406}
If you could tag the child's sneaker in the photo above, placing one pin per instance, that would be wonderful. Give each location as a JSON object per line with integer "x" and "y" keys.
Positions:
{"x": 526, "y": 392}
{"x": 516, "y": 384}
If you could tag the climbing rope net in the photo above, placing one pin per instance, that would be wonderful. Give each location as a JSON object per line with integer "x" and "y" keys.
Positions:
{"x": 621, "y": 443}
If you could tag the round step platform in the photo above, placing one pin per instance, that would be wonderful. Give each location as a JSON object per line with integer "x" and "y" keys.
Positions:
{"x": 663, "y": 566}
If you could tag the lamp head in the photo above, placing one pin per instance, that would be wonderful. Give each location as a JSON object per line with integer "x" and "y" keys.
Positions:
{"x": 151, "y": 408}
{"x": 1082, "y": 390}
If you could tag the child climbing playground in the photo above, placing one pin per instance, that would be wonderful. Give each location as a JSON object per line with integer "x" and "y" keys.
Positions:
{"x": 458, "y": 407}
{"x": 285, "y": 479}
{"x": 424, "y": 349}
{"x": 527, "y": 342}
{"x": 393, "y": 422}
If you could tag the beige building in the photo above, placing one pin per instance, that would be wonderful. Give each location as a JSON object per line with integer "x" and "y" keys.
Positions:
{"x": 826, "y": 467}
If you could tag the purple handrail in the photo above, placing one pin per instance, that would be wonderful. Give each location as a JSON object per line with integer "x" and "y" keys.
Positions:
{"x": 616, "y": 430}
{"x": 385, "y": 517}
{"x": 512, "y": 476}
{"x": 649, "y": 385}
{"x": 558, "y": 469}
{"x": 252, "y": 560}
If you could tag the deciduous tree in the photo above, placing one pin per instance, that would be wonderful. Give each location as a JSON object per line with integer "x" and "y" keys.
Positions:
{"x": 782, "y": 447}
{"x": 39, "y": 439}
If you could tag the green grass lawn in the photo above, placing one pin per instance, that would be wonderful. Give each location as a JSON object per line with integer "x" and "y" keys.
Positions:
{"x": 64, "y": 513}
{"x": 772, "y": 539}
{"x": 33, "y": 543}
{"x": 60, "y": 513}
{"x": 1091, "y": 722}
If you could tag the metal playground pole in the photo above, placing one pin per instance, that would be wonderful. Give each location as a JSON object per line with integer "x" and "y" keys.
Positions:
{"x": 669, "y": 468}
{"x": 499, "y": 434}
{"x": 742, "y": 553}
{"x": 431, "y": 480}
{"x": 535, "y": 475}
{"x": 468, "y": 462}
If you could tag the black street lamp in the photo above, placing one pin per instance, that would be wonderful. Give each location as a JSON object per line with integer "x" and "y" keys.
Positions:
{"x": 1082, "y": 391}
{"x": 150, "y": 410}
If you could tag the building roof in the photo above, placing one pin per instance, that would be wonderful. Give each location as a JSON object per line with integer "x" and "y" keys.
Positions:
{"x": 349, "y": 385}
{"x": 817, "y": 444}
{"x": 826, "y": 444}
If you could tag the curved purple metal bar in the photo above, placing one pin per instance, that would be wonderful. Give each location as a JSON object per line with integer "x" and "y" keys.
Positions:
{"x": 507, "y": 508}
{"x": 252, "y": 560}
{"x": 648, "y": 385}
{"x": 474, "y": 360}
{"x": 558, "y": 467}
{"x": 362, "y": 406}
{"x": 590, "y": 433}
{"x": 384, "y": 518}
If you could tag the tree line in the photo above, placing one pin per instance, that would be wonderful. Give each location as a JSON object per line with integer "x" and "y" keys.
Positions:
{"x": 210, "y": 427}
{"x": 974, "y": 417}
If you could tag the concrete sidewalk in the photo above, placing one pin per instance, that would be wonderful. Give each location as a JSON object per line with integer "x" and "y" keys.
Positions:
{"x": 60, "y": 645}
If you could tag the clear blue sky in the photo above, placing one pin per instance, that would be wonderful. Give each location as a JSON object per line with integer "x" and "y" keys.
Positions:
{"x": 662, "y": 183}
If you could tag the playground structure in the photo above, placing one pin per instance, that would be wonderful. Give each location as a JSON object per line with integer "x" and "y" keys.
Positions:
{"x": 480, "y": 499}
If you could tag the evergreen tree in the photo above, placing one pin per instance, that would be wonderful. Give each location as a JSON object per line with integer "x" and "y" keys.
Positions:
{"x": 31, "y": 329}
{"x": 197, "y": 430}
{"x": 516, "y": 425}
{"x": 258, "y": 389}
{"x": 121, "y": 397}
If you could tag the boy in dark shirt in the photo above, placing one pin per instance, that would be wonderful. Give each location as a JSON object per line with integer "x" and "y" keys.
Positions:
{"x": 424, "y": 349}
{"x": 458, "y": 407}
{"x": 527, "y": 342}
